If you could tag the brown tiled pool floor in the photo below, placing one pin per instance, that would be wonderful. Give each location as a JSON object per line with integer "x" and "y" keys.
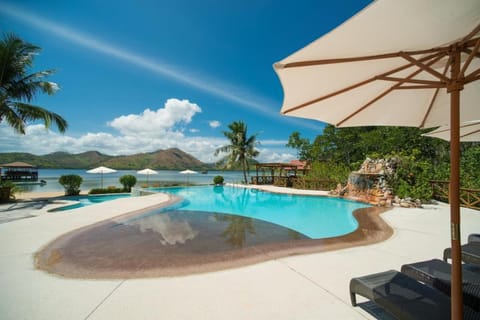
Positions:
{"x": 162, "y": 245}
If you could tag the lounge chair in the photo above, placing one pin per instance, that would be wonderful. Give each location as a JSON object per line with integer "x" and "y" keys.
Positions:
{"x": 473, "y": 237}
{"x": 404, "y": 297}
{"x": 470, "y": 253}
{"x": 437, "y": 273}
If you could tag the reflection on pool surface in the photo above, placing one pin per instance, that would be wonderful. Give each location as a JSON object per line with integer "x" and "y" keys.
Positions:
{"x": 126, "y": 247}
{"x": 201, "y": 231}
{"x": 315, "y": 217}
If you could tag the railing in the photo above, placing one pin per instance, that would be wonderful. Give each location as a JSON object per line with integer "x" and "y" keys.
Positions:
{"x": 295, "y": 182}
{"x": 469, "y": 198}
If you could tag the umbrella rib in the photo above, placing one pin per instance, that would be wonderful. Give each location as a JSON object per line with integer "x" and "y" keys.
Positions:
{"x": 438, "y": 55}
{"x": 358, "y": 59}
{"x": 473, "y": 78}
{"x": 470, "y": 58}
{"x": 424, "y": 67}
{"x": 470, "y": 133}
{"x": 469, "y": 36}
{"x": 395, "y": 86}
{"x": 417, "y": 81}
{"x": 435, "y": 94}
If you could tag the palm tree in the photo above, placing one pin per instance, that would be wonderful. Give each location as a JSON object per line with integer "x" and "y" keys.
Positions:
{"x": 241, "y": 149}
{"x": 18, "y": 87}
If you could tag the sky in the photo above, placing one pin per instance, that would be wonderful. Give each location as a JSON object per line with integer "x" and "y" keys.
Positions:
{"x": 144, "y": 75}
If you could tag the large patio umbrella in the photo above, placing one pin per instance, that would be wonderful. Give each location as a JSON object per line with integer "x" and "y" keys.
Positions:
{"x": 101, "y": 170}
{"x": 148, "y": 172}
{"x": 188, "y": 172}
{"x": 469, "y": 132}
{"x": 396, "y": 63}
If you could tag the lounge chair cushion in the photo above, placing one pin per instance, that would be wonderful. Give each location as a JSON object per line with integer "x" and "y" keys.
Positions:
{"x": 401, "y": 296}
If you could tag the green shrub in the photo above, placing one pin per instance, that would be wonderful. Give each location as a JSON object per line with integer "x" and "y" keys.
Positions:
{"x": 110, "y": 189}
{"x": 128, "y": 181}
{"x": 331, "y": 171}
{"x": 218, "y": 180}
{"x": 412, "y": 179}
{"x": 8, "y": 190}
{"x": 71, "y": 183}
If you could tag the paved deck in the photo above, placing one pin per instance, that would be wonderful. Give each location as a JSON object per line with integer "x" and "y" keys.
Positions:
{"x": 313, "y": 286}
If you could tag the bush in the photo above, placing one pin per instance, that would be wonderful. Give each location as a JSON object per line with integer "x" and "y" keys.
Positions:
{"x": 110, "y": 189}
{"x": 412, "y": 179}
{"x": 329, "y": 171}
{"x": 218, "y": 180}
{"x": 8, "y": 190}
{"x": 128, "y": 181}
{"x": 71, "y": 183}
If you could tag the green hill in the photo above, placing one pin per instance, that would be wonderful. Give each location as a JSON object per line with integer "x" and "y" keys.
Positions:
{"x": 162, "y": 159}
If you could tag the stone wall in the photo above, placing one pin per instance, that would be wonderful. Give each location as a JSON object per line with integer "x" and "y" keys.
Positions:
{"x": 369, "y": 184}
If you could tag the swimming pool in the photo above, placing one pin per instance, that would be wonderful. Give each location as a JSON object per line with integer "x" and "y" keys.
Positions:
{"x": 313, "y": 216}
{"x": 212, "y": 228}
{"x": 89, "y": 200}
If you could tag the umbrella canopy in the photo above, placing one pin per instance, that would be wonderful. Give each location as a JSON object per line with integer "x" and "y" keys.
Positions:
{"x": 188, "y": 171}
{"x": 148, "y": 172}
{"x": 101, "y": 170}
{"x": 402, "y": 63}
{"x": 469, "y": 132}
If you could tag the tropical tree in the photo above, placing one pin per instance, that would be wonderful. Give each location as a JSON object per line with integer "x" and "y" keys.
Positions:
{"x": 128, "y": 181}
{"x": 241, "y": 149}
{"x": 18, "y": 87}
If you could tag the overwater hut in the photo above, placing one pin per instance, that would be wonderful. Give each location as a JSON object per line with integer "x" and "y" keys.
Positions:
{"x": 18, "y": 171}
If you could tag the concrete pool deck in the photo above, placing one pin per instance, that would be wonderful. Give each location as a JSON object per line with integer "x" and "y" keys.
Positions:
{"x": 313, "y": 286}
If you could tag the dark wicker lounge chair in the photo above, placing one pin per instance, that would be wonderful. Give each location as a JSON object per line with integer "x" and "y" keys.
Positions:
{"x": 404, "y": 297}
{"x": 473, "y": 237}
{"x": 470, "y": 253}
{"x": 437, "y": 273}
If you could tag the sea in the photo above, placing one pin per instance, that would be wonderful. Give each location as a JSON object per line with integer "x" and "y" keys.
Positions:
{"x": 90, "y": 181}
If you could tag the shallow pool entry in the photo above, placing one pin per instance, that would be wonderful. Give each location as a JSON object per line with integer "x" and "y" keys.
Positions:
{"x": 165, "y": 241}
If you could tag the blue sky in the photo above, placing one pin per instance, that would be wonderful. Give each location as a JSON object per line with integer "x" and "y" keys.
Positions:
{"x": 138, "y": 76}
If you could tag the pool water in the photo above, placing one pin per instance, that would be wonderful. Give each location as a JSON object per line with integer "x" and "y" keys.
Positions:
{"x": 211, "y": 229}
{"x": 313, "y": 216}
{"x": 89, "y": 200}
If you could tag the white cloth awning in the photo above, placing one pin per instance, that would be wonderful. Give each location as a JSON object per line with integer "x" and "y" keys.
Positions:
{"x": 385, "y": 27}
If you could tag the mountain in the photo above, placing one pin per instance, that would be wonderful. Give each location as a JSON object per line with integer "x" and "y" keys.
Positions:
{"x": 81, "y": 160}
{"x": 162, "y": 159}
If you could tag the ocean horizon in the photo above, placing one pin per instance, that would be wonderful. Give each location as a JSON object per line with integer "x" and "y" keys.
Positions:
{"x": 91, "y": 181}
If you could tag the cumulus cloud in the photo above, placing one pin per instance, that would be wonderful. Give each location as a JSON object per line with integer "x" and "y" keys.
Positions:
{"x": 214, "y": 124}
{"x": 165, "y": 128}
{"x": 155, "y": 123}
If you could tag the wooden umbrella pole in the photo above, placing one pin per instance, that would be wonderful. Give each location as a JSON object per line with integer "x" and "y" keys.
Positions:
{"x": 454, "y": 89}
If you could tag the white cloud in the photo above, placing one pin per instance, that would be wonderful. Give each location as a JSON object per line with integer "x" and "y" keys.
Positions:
{"x": 214, "y": 124}
{"x": 272, "y": 155}
{"x": 39, "y": 141}
{"x": 145, "y": 132}
{"x": 157, "y": 123}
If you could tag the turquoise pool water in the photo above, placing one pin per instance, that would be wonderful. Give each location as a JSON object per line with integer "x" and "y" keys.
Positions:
{"x": 315, "y": 217}
{"x": 89, "y": 200}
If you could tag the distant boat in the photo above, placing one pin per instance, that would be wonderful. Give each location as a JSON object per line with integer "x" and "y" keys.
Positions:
{"x": 204, "y": 172}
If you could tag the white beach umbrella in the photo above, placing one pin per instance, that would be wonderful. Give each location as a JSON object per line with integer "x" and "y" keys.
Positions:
{"x": 469, "y": 132}
{"x": 396, "y": 63}
{"x": 102, "y": 171}
{"x": 148, "y": 172}
{"x": 188, "y": 172}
